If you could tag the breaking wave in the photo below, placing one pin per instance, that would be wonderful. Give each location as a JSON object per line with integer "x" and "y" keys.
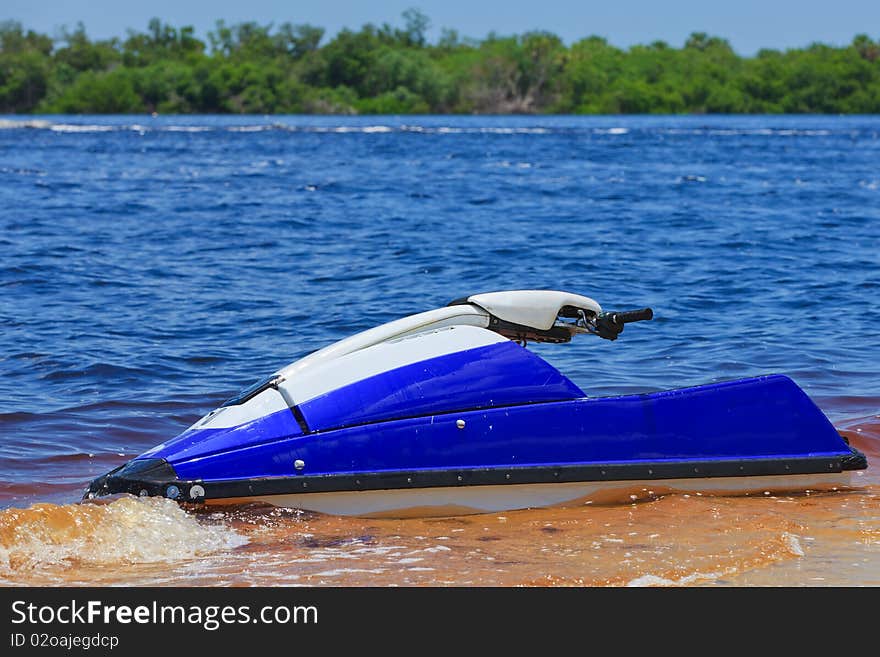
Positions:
{"x": 427, "y": 128}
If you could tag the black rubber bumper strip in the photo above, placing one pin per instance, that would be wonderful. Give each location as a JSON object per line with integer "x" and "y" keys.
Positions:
{"x": 139, "y": 478}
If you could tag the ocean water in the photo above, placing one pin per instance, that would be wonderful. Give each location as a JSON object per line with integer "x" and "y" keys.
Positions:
{"x": 152, "y": 266}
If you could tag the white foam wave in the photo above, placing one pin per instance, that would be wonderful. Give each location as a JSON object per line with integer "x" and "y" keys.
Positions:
{"x": 76, "y": 127}
{"x": 252, "y": 128}
{"x": 736, "y": 132}
{"x": 366, "y": 129}
{"x": 126, "y": 530}
{"x": 655, "y": 580}
{"x": 424, "y": 129}
{"x": 7, "y": 124}
{"x": 186, "y": 128}
{"x": 336, "y": 572}
{"x": 793, "y": 544}
{"x": 456, "y": 130}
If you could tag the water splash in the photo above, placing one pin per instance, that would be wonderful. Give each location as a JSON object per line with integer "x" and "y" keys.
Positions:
{"x": 127, "y": 530}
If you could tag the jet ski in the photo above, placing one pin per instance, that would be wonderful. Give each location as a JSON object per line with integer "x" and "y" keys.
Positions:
{"x": 448, "y": 412}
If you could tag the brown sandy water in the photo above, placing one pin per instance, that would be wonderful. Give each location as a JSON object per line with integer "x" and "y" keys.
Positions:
{"x": 817, "y": 539}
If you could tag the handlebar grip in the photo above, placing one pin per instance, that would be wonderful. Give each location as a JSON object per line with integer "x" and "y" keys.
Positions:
{"x": 627, "y": 316}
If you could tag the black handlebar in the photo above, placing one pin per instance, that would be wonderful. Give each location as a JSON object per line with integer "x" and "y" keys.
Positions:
{"x": 610, "y": 324}
{"x": 627, "y": 316}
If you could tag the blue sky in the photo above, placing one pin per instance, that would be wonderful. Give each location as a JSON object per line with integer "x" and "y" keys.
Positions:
{"x": 747, "y": 24}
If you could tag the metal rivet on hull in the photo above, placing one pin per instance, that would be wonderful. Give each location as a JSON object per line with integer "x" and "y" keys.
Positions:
{"x": 460, "y": 424}
{"x": 299, "y": 464}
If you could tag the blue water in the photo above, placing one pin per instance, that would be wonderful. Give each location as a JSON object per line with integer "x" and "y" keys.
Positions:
{"x": 151, "y": 267}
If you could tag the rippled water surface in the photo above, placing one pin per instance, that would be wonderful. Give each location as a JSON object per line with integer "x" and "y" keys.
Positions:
{"x": 150, "y": 267}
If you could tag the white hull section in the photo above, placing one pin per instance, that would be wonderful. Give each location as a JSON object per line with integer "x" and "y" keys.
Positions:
{"x": 463, "y": 500}
{"x": 326, "y": 376}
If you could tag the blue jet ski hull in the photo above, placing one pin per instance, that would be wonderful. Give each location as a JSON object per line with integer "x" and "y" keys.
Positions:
{"x": 745, "y": 436}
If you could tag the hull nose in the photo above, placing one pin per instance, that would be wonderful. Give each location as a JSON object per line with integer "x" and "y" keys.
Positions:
{"x": 145, "y": 477}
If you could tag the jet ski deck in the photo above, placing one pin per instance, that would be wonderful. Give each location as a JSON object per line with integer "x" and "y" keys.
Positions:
{"x": 447, "y": 412}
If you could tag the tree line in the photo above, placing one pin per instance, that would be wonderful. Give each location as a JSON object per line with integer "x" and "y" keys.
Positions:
{"x": 292, "y": 69}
